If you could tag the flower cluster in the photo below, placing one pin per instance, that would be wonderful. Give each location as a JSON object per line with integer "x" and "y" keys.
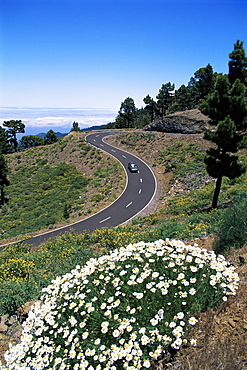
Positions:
{"x": 122, "y": 310}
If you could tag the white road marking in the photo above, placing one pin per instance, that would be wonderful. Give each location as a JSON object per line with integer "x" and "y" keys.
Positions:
{"x": 123, "y": 156}
{"x": 141, "y": 180}
{"x": 129, "y": 204}
{"x": 113, "y": 150}
{"x": 94, "y": 140}
{"x": 140, "y": 191}
{"x": 101, "y": 145}
{"x": 97, "y": 135}
{"x": 105, "y": 219}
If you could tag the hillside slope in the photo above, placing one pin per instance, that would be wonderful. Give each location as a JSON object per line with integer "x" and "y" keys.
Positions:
{"x": 54, "y": 185}
{"x": 222, "y": 334}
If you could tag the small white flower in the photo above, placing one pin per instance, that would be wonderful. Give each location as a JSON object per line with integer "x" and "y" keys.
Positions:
{"x": 138, "y": 295}
{"x": 192, "y": 320}
{"x": 193, "y": 268}
{"x": 116, "y": 333}
{"x": 133, "y": 336}
{"x": 155, "y": 274}
{"x": 172, "y": 324}
{"x": 72, "y": 321}
{"x": 146, "y": 363}
{"x": 154, "y": 322}
{"x": 193, "y": 342}
{"x": 181, "y": 276}
{"x": 180, "y": 315}
{"x": 177, "y": 344}
{"x": 144, "y": 339}
{"x": 85, "y": 335}
{"x": 192, "y": 291}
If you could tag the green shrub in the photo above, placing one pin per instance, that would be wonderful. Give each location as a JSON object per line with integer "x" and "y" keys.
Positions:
{"x": 15, "y": 294}
{"x": 96, "y": 198}
{"x": 232, "y": 230}
{"x": 41, "y": 162}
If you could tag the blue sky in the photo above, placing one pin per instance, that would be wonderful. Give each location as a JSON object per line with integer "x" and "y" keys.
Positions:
{"x": 95, "y": 53}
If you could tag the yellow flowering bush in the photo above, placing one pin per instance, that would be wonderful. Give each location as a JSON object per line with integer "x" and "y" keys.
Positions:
{"x": 15, "y": 269}
{"x": 110, "y": 237}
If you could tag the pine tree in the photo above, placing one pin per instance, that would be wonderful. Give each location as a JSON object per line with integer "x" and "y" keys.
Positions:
{"x": 151, "y": 106}
{"x": 238, "y": 63}
{"x": 4, "y": 145}
{"x": 75, "y": 127}
{"x": 165, "y": 98}
{"x": 14, "y": 127}
{"x": 50, "y": 137}
{"x": 3, "y": 178}
{"x": 127, "y": 113}
{"x": 227, "y": 108}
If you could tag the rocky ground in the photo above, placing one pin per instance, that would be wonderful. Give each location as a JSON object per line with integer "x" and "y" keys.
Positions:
{"x": 188, "y": 122}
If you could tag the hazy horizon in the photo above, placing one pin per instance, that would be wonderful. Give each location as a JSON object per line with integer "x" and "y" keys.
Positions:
{"x": 39, "y": 120}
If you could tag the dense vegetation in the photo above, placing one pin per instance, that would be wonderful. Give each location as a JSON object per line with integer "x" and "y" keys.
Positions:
{"x": 123, "y": 310}
{"x": 185, "y": 216}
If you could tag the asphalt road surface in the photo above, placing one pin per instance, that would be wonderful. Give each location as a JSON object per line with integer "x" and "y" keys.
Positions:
{"x": 138, "y": 193}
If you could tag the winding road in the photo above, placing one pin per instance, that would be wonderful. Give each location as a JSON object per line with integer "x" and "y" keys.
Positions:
{"x": 139, "y": 191}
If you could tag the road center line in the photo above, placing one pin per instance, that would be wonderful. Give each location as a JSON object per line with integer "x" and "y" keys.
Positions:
{"x": 140, "y": 191}
{"x": 113, "y": 150}
{"x": 141, "y": 180}
{"x": 123, "y": 156}
{"x": 101, "y": 145}
{"x": 128, "y": 204}
{"x": 105, "y": 219}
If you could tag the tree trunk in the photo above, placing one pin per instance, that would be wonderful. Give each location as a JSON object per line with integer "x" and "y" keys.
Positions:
{"x": 217, "y": 191}
{"x": 2, "y": 198}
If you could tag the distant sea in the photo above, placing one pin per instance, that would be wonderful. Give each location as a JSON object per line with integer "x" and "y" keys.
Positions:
{"x": 41, "y": 120}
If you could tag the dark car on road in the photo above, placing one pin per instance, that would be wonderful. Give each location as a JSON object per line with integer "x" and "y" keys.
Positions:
{"x": 132, "y": 167}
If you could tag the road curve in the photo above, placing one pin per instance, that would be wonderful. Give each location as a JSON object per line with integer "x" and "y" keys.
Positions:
{"x": 138, "y": 193}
